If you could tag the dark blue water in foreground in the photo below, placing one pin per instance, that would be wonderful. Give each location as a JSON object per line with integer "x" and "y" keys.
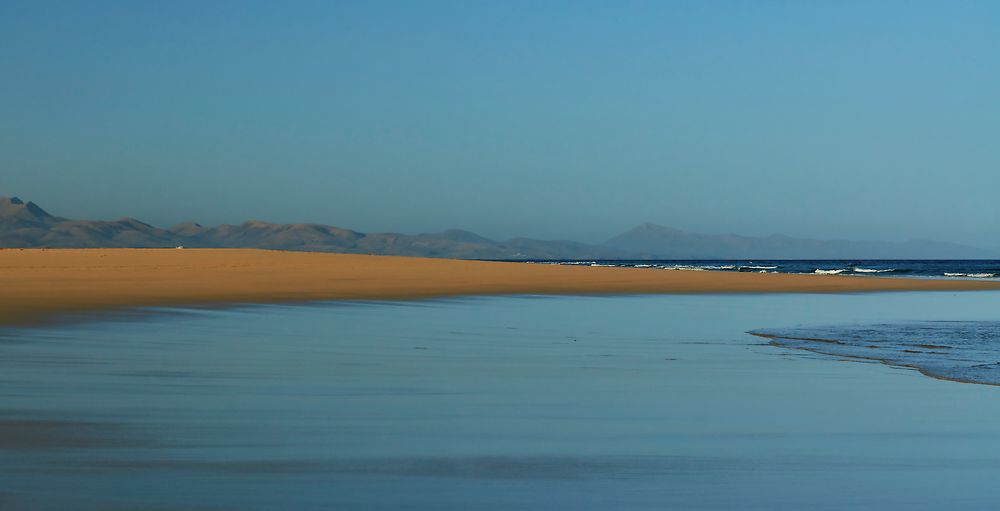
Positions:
{"x": 953, "y": 268}
{"x": 967, "y": 351}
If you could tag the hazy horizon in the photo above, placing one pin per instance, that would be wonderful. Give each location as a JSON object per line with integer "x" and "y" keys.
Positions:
{"x": 545, "y": 120}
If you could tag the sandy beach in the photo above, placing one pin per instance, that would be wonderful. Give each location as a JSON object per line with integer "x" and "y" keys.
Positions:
{"x": 37, "y": 283}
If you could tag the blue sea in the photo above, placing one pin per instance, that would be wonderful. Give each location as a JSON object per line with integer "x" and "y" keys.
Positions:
{"x": 523, "y": 402}
{"x": 943, "y": 268}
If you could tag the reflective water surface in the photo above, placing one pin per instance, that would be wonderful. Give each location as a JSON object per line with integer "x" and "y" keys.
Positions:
{"x": 657, "y": 402}
{"x": 966, "y": 351}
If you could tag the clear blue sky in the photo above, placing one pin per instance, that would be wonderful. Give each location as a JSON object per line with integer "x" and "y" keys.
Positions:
{"x": 867, "y": 120}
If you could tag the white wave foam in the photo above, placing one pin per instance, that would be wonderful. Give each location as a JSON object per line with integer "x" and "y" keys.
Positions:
{"x": 971, "y": 275}
{"x": 758, "y": 267}
{"x": 830, "y": 272}
{"x": 874, "y": 270}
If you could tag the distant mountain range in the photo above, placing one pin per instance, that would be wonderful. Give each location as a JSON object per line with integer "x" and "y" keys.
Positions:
{"x": 24, "y": 224}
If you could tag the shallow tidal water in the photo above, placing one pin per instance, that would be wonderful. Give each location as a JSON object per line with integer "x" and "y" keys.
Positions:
{"x": 643, "y": 402}
{"x": 964, "y": 351}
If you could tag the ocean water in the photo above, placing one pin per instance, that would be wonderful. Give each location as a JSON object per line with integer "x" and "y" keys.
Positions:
{"x": 943, "y": 268}
{"x": 966, "y": 351}
{"x": 645, "y": 402}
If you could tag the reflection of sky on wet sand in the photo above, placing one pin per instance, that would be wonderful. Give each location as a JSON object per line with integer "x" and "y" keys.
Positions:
{"x": 488, "y": 403}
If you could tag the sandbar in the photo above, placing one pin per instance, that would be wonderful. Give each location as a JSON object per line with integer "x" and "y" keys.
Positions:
{"x": 37, "y": 284}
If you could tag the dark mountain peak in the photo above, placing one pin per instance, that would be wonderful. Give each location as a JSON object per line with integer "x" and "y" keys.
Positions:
{"x": 35, "y": 210}
{"x": 187, "y": 229}
{"x": 134, "y": 223}
{"x": 14, "y": 207}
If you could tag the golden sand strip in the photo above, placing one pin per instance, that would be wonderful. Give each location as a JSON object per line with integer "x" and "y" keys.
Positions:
{"x": 37, "y": 283}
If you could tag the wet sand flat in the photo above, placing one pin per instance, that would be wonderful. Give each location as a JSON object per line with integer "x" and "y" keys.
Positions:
{"x": 35, "y": 283}
{"x": 487, "y": 403}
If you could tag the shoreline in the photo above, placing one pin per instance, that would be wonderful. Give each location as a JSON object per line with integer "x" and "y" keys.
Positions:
{"x": 36, "y": 284}
{"x": 773, "y": 341}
